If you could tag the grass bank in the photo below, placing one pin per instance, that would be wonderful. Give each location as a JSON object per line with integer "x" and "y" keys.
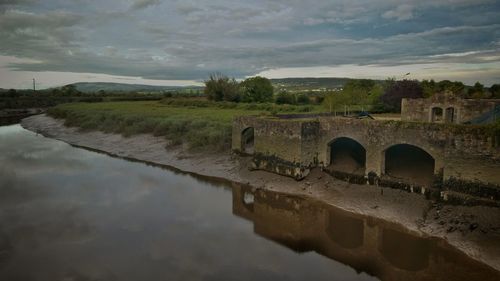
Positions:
{"x": 198, "y": 125}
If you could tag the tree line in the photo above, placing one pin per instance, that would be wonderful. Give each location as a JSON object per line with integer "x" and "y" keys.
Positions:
{"x": 356, "y": 94}
{"x": 387, "y": 96}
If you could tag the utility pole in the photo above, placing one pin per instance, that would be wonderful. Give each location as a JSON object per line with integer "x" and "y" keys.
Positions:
{"x": 34, "y": 85}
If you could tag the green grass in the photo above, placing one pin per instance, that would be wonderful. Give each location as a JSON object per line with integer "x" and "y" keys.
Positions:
{"x": 207, "y": 126}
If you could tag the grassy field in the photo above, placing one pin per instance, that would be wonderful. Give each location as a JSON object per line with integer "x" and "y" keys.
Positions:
{"x": 198, "y": 127}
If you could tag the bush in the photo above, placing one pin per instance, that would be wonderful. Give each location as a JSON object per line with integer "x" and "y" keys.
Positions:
{"x": 303, "y": 99}
{"x": 222, "y": 88}
{"x": 285, "y": 98}
{"x": 256, "y": 89}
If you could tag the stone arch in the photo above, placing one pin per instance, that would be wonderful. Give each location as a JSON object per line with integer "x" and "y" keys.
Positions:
{"x": 437, "y": 114}
{"x": 248, "y": 140}
{"x": 346, "y": 154}
{"x": 344, "y": 230}
{"x": 409, "y": 163}
{"x": 450, "y": 115}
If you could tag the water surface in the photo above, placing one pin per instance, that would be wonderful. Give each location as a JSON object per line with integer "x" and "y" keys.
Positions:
{"x": 71, "y": 214}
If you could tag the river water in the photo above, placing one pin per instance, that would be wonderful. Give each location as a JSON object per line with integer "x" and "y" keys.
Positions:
{"x": 71, "y": 214}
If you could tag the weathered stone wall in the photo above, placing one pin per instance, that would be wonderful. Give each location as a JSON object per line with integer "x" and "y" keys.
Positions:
{"x": 464, "y": 110}
{"x": 377, "y": 136}
{"x": 239, "y": 125}
{"x": 463, "y": 155}
{"x": 283, "y": 146}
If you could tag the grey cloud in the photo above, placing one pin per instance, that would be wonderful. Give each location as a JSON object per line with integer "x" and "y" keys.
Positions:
{"x": 36, "y": 35}
{"x": 141, "y": 4}
{"x": 243, "y": 60}
{"x": 401, "y": 12}
{"x": 189, "y": 39}
{"x": 16, "y": 2}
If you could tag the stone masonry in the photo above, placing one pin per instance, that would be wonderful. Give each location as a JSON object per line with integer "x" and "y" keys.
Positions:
{"x": 466, "y": 158}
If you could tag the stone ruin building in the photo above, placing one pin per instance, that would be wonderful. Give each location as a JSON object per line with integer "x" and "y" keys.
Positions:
{"x": 431, "y": 151}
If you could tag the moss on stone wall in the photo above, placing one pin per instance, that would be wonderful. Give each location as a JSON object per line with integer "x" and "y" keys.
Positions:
{"x": 474, "y": 188}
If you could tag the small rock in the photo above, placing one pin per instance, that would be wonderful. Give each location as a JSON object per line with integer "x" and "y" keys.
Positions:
{"x": 473, "y": 226}
{"x": 451, "y": 229}
{"x": 375, "y": 207}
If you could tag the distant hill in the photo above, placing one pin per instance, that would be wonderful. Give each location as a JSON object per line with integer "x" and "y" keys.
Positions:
{"x": 291, "y": 84}
{"x": 88, "y": 87}
{"x": 301, "y": 84}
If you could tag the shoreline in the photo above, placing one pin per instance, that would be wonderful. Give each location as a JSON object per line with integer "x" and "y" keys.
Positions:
{"x": 472, "y": 230}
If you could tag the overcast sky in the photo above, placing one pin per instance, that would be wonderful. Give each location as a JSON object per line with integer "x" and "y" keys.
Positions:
{"x": 169, "y": 42}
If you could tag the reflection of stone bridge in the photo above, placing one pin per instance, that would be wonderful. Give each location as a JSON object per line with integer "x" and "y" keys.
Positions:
{"x": 369, "y": 245}
{"x": 422, "y": 157}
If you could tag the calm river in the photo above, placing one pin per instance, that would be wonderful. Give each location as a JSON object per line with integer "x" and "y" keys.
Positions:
{"x": 71, "y": 214}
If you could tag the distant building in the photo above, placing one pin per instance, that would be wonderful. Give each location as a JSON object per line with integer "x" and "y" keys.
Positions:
{"x": 448, "y": 108}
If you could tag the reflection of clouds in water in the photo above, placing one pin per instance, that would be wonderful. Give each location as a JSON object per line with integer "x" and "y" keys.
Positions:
{"x": 97, "y": 274}
{"x": 34, "y": 228}
{"x": 30, "y": 154}
{"x": 101, "y": 218}
{"x": 15, "y": 189}
{"x": 38, "y": 225}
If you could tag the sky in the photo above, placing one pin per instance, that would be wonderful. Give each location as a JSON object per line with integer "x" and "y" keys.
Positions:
{"x": 174, "y": 42}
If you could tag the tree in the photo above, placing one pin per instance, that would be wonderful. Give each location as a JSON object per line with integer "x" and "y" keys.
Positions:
{"x": 69, "y": 90}
{"x": 429, "y": 87}
{"x": 455, "y": 87}
{"x": 303, "y": 99}
{"x": 256, "y": 89}
{"x": 398, "y": 90}
{"x": 285, "y": 98}
{"x": 12, "y": 93}
{"x": 495, "y": 91}
{"x": 336, "y": 101}
{"x": 477, "y": 91}
{"x": 220, "y": 87}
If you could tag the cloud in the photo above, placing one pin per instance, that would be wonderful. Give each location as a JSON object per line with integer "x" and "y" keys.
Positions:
{"x": 142, "y": 4}
{"x": 189, "y": 39}
{"x": 16, "y": 2}
{"x": 402, "y": 12}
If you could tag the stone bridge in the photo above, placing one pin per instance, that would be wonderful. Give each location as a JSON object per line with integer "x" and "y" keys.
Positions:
{"x": 421, "y": 157}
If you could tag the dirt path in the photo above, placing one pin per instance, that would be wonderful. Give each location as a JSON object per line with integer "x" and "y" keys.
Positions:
{"x": 474, "y": 230}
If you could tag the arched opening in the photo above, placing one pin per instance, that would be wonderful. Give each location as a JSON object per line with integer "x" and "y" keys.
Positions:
{"x": 347, "y": 155}
{"x": 450, "y": 115}
{"x": 437, "y": 114}
{"x": 409, "y": 163}
{"x": 345, "y": 230}
{"x": 247, "y": 141}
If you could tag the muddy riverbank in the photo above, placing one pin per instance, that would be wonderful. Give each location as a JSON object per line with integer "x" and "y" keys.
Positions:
{"x": 473, "y": 230}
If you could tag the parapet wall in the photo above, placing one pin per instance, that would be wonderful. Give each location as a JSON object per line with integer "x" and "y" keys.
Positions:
{"x": 460, "y": 110}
